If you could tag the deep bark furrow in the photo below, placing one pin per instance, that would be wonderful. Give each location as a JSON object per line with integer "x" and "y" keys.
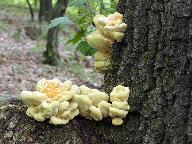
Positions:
{"x": 157, "y": 67}
{"x": 116, "y": 57}
{"x": 156, "y": 128}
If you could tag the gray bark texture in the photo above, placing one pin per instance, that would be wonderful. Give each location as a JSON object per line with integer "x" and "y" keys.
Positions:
{"x": 154, "y": 60}
{"x": 45, "y": 7}
{"x": 52, "y": 53}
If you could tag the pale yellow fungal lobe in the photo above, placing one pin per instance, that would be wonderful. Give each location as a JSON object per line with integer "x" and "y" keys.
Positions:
{"x": 117, "y": 121}
{"x": 119, "y": 107}
{"x": 58, "y": 121}
{"x": 116, "y": 28}
{"x": 31, "y": 111}
{"x": 100, "y": 21}
{"x": 63, "y": 106}
{"x": 33, "y": 98}
{"x": 117, "y": 36}
{"x": 89, "y": 102}
{"x": 84, "y": 103}
{"x": 104, "y": 107}
{"x": 51, "y": 88}
{"x": 101, "y": 65}
{"x": 73, "y": 106}
{"x": 109, "y": 29}
{"x": 75, "y": 89}
{"x": 115, "y": 112}
{"x": 39, "y": 117}
{"x": 84, "y": 90}
{"x": 97, "y": 96}
{"x": 65, "y": 96}
{"x": 102, "y": 61}
{"x": 99, "y": 42}
{"x": 100, "y": 56}
{"x": 61, "y": 102}
{"x": 66, "y": 86}
{"x": 115, "y": 18}
{"x": 52, "y": 100}
{"x": 119, "y": 93}
{"x": 95, "y": 113}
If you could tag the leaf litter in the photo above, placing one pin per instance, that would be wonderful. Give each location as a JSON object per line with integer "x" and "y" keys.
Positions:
{"x": 21, "y": 60}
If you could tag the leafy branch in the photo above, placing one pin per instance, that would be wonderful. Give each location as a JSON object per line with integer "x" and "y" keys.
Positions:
{"x": 87, "y": 9}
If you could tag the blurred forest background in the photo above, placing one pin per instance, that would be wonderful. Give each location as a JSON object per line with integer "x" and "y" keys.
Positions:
{"x": 33, "y": 44}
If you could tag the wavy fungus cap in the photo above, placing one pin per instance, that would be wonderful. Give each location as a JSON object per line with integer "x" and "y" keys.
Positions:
{"x": 119, "y": 93}
{"x": 109, "y": 29}
{"x": 61, "y": 102}
{"x": 111, "y": 26}
{"x": 53, "y": 88}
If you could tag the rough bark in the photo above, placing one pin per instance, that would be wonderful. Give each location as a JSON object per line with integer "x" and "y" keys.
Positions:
{"x": 52, "y": 54}
{"x": 154, "y": 60}
{"x": 16, "y": 127}
{"x": 45, "y": 7}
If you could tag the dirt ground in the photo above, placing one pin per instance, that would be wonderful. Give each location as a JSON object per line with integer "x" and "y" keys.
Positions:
{"x": 21, "y": 58}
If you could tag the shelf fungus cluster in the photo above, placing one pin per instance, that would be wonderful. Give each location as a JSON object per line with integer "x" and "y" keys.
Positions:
{"x": 109, "y": 29}
{"x": 60, "y": 102}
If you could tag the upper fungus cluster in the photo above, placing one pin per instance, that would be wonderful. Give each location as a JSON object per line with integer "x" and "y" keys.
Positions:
{"x": 109, "y": 29}
{"x": 60, "y": 102}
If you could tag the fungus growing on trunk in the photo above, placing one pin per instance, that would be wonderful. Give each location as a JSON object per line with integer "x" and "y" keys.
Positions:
{"x": 51, "y": 100}
{"x": 61, "y": 102}
{"x": 109, "y": 29}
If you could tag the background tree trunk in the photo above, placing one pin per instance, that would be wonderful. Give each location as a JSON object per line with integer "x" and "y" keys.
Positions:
{"x": 154, "y": 60}
{"x": 30, "y": 9}
{"x": 52, "y": 53}
{"x": 45, "y": 7}
{"x": 35, "y": 2}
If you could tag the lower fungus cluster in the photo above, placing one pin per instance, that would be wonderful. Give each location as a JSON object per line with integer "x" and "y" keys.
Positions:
{"x": 109, "y": 29}
{"x": 61, "y": 102}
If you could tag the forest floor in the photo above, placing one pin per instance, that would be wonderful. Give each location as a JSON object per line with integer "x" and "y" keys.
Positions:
{"x": 22, "y": 43}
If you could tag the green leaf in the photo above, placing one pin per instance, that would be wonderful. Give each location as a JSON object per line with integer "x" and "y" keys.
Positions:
{"x": 77, "y": 37}
{"x": 85, "y": 48}
{"x": 77, "y": 3}
{"x": 82, "y": 19}
{"x": 60, "y": 20}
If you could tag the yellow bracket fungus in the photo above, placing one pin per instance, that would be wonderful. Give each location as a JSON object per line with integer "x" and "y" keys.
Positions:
{"x": 102, "y": 61}
{"x": 119, "y": 107}
{"x": 60, "y": 102}
{"x": 116, "y": 1}
{"x": 52, "y": 99}
{"x": 100, "y": 42}
{"x": 109, "y": 29}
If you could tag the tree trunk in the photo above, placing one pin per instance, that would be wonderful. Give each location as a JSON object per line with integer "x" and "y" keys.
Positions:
{"x": 35, "y": 2}
{"x": 44, "y": 10}
{"x": 154, "y": 60}
{"x": 52, "y": 53}
{"x": 30, "y": 10}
